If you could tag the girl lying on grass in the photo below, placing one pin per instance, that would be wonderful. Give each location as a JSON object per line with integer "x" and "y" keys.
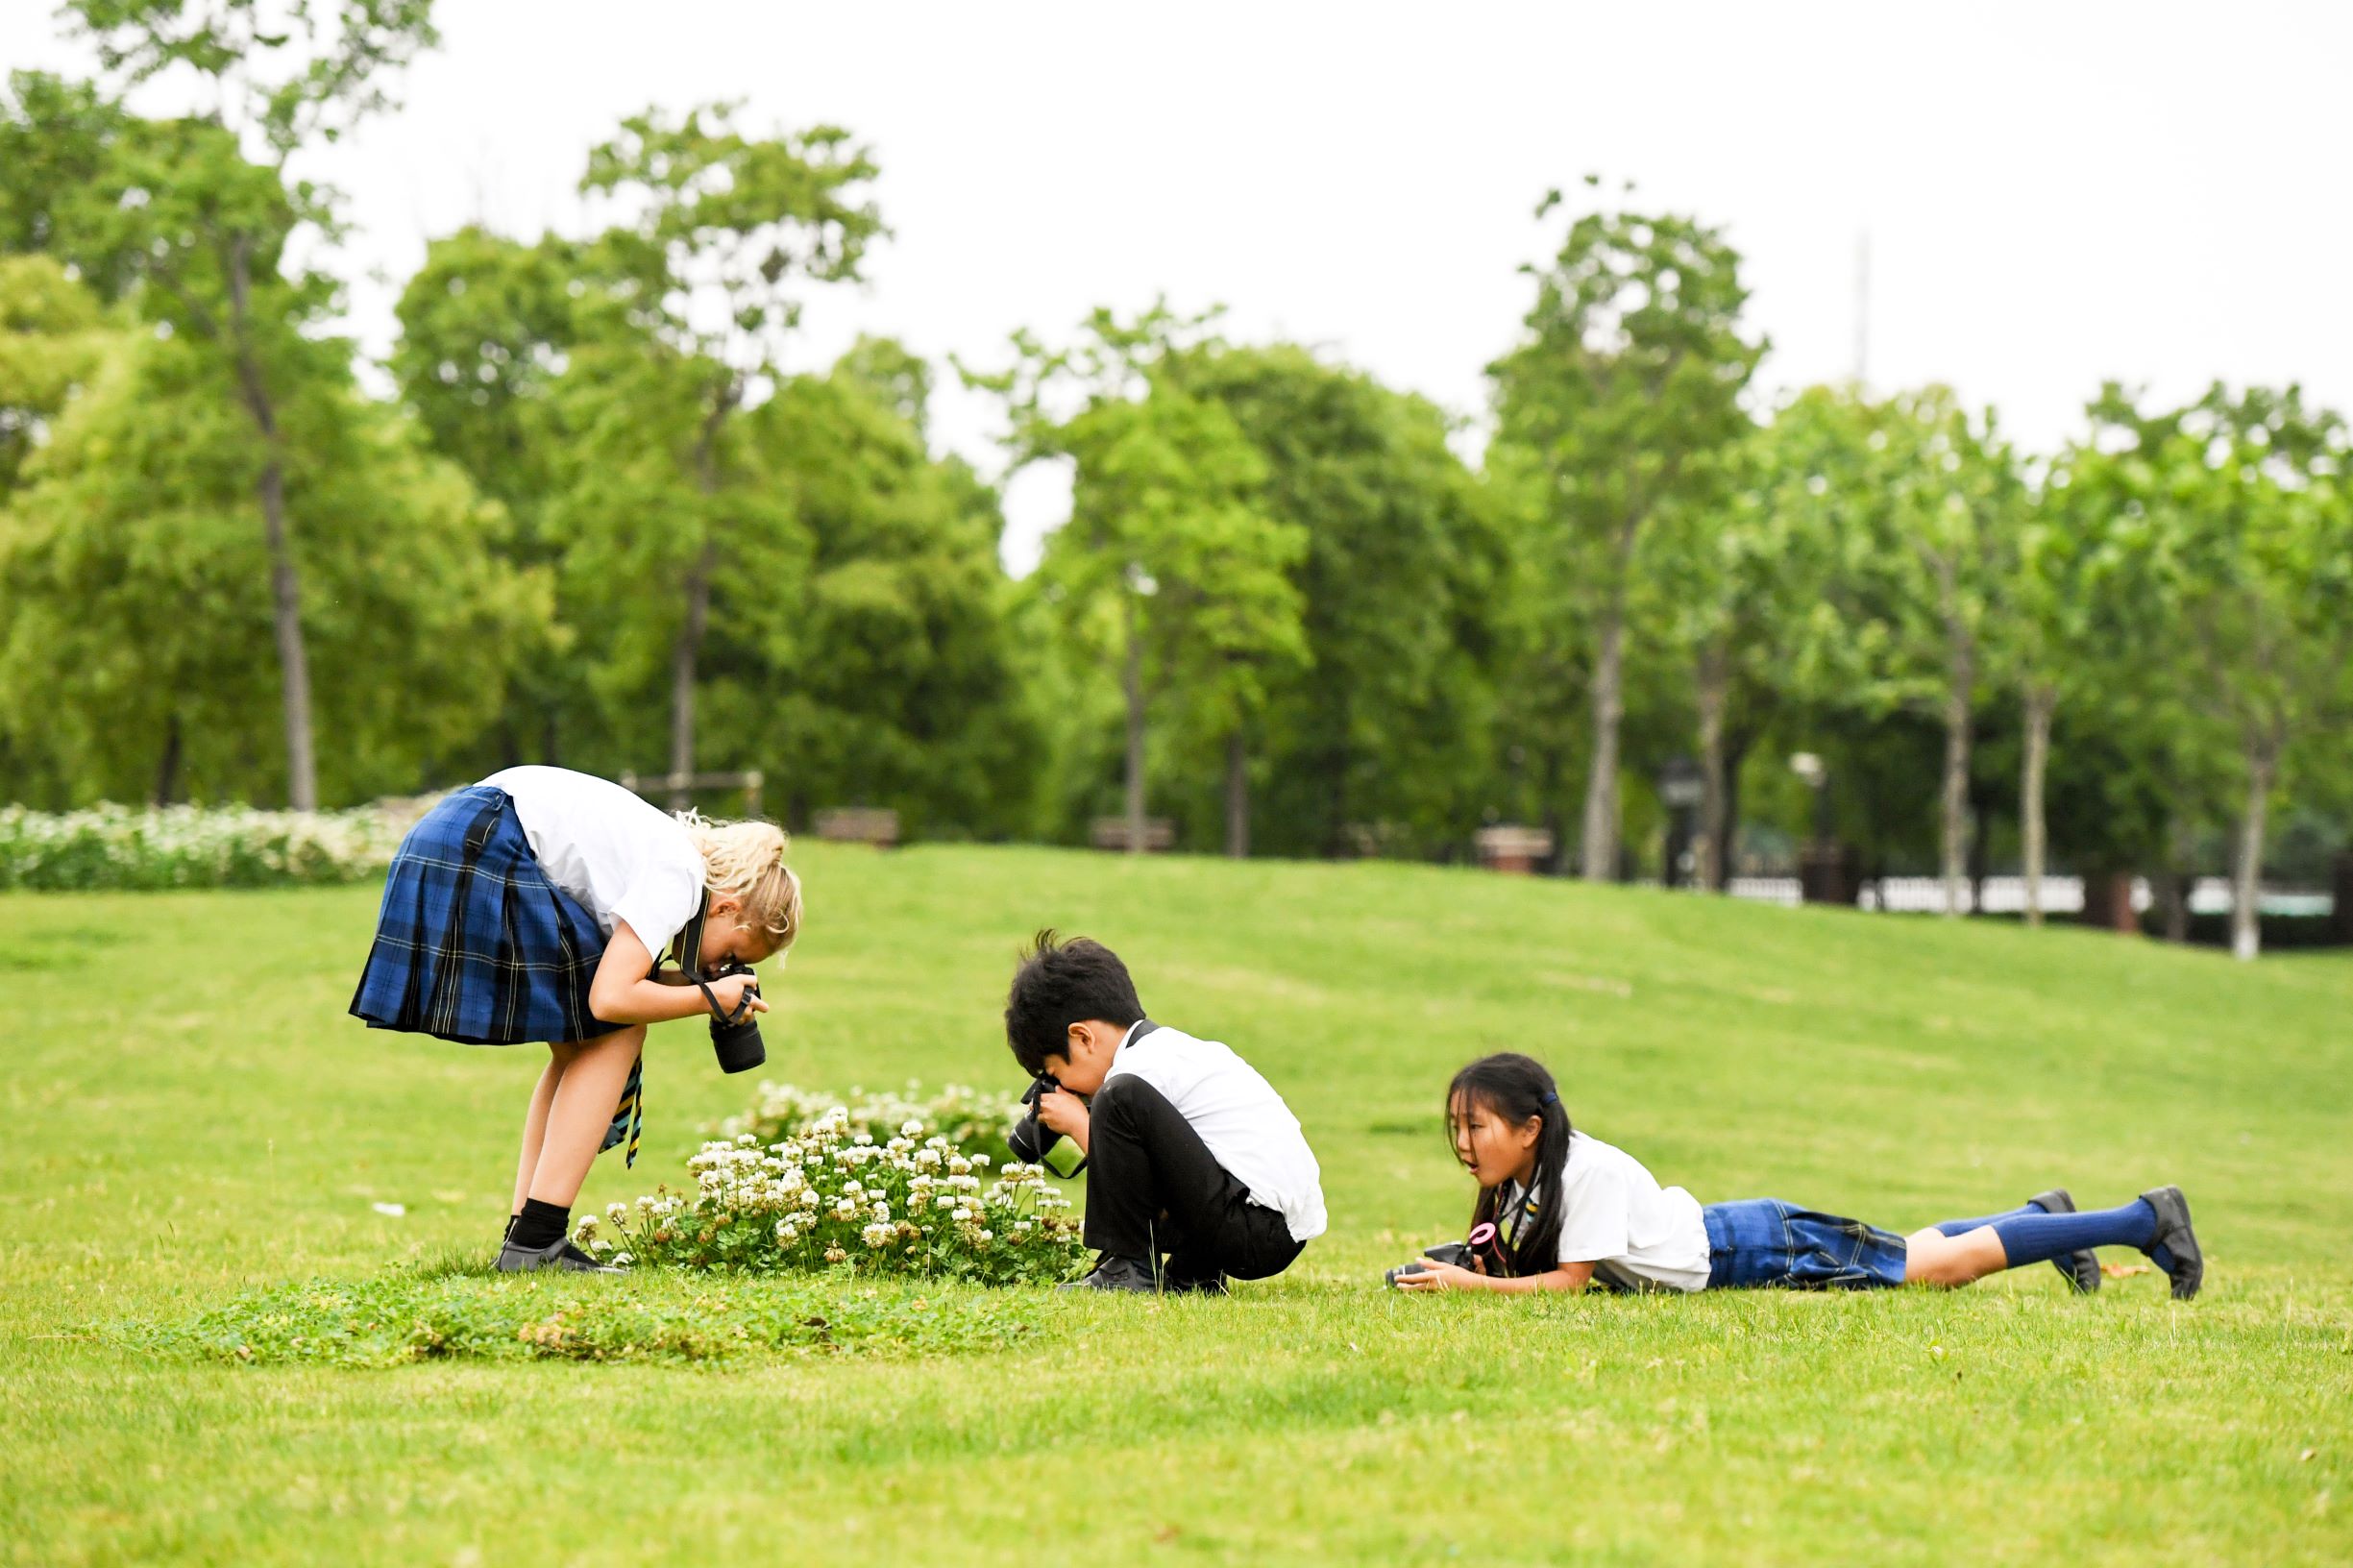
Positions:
{"x": 1560, "y": 1210}
{"x": 531, "y": 907}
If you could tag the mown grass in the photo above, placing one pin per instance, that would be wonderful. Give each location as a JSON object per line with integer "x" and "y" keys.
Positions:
{"x": 196, "y": 1135}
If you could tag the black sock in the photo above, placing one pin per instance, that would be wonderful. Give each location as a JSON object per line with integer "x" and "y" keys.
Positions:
{"x": 539, "y": 1227}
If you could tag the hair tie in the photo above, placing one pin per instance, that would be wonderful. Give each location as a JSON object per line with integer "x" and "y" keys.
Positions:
{"x": 1549, "y": 1097}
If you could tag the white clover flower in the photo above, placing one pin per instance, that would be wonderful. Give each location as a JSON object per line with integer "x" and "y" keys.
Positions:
{"x": 882, "y": 1212}
{"x": 584, "y": 1227}
{"x": 808, "y": 1198}
{"x": 878, "y": 1235}
{"x": 980, "y": 1162}
{"x": 617, "y": 1213}
{"x": 927, "y": 1158}
{"x": 785, "y": 1232}
{"x": 622, "y": 1260}
{"x": 911, "y": 1128}
{"x": 943, "y": 1201}
{"x": 957, "y": 1164}
{"x": 987, "y": 1236}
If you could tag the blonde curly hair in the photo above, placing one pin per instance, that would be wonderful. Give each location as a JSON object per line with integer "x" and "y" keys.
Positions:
{"x": 744, "y": 861}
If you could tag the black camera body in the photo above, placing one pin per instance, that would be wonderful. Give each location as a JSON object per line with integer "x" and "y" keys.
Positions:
{"x": 1480, "y": 1247}
{"x": 735, "y": 1037}
{"x": 1031, "y": 1141}
{"x": 1457, "y": 1252}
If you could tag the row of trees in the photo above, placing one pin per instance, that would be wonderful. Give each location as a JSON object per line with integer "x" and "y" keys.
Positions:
{"x": 606, "y": 523}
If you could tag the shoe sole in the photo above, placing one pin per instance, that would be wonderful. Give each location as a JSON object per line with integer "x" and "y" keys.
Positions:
{"x": 2178, "y": 1236}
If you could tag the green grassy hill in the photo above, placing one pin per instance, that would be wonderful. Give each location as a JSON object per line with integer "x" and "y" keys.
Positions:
{"x": 192, "y": 1116}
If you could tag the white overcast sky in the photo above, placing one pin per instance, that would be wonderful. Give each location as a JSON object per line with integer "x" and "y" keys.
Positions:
{"x": 2053, "y": 193}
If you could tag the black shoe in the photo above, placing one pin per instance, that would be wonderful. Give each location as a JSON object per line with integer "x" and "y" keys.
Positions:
{"x": 1212, "y": 1283}
{"x": 2187, "y": 1266}
{"x": 1132, "y": 1275}
{"x": 2081, "y": 1268}
{"x": 563, "y": 1255}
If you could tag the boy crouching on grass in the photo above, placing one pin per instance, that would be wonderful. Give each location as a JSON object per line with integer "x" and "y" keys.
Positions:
{"x": 1191, "y": 1154}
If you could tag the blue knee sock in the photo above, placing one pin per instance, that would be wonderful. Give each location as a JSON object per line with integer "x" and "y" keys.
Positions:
{"x": 1962, "y": 1227}
{"x": 2034, "y": 1236}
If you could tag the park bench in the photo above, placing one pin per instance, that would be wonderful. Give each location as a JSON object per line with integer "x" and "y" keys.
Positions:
{"x": 1112, "y": 833}
{"x": 876, "y": 825}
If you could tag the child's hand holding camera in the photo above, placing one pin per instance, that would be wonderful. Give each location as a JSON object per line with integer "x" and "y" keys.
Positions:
{"x": 1429, "y": 1274}
{"x": 729, "y": 989}
{"x": 1066, "y": 1114}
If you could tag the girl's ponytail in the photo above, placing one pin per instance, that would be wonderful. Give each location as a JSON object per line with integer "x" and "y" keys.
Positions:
{"x": 746, "y": 861}
{"x": 1516, "y": 1088}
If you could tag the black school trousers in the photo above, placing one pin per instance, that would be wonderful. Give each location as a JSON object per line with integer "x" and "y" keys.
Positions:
{"x": 1154, "y": 1188}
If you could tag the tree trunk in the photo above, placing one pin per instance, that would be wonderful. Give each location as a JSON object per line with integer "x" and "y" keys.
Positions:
{"x": 1131, "y": 686}
{"x": 688, "y": 652}
{"x": 1713, "y": 682}
{"x": 2040, "y": 703}
{"x": 285, "y": 587}
{"x": 1238, "y": 795}
{"x": 1598, "y": 851}
{"x": 2246, "y": 876}
{"x": 1735, "y": 756}
{"x": 167, "y": 770}
{"x": 1956, "y": 778}
{"x": 682, "y": 661}
{"x": 2175, "y": 898}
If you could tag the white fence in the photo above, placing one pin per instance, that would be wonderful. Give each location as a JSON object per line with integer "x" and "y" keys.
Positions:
{"x": 2007, "y": 895}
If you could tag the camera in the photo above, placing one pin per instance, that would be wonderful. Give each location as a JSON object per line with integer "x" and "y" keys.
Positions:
{"x": 1031, "y": 1141}
{"x": 1478, "y": 1247}
{"x": 735, "y": 1038}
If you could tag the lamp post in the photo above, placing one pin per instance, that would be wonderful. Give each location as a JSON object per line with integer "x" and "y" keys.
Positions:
{"x": 1828, "y": 872}
{"x": 1681, "y": 789}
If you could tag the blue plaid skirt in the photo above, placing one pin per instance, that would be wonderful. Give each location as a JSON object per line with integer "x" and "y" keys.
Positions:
{"x": 476, "y": 944}
{"x": 1764, "y": 1242}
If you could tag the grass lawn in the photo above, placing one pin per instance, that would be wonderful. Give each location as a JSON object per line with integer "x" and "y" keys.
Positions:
{"x": 192, "y": 1118}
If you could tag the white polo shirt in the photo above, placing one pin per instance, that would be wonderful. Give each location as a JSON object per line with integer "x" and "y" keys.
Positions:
{"x": 622, "y": 857}
{"x": 1614, "y": 1215}
{"x": 1239, "y": 1116}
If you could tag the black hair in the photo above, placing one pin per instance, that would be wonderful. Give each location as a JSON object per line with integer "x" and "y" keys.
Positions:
{"x": 1059, "y": 984}
{"x": 1517, "y": 1088}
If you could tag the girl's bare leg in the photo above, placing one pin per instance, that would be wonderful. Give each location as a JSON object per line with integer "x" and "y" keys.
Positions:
{"x": 580, "y": 1109}
{"x": 1933, "y": 1258}
{"x": 535, "y": 1124}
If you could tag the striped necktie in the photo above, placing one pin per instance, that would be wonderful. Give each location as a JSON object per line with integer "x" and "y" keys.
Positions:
{"x": 630, "y": 1115}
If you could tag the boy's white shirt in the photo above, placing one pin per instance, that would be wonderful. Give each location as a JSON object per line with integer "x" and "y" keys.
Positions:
{"x": 1616, "y": 1216}
{"x": 1239, "y": 1116}
{"x": 622, "y": 857}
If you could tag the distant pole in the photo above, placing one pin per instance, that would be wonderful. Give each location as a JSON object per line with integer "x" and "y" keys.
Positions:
{"x": 1862, "y": 306}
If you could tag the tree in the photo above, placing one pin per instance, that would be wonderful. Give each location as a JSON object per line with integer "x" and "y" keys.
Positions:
{"x": 1732, "y": 579}
{"x": 53, "y": 339}
{"x": 2251, "y": 529}
{"x": 725, "y": 225}
{"x": 2075, "y": 617}
{"x": 1389, "y": 718}
{"x": 1620, "y": 401}
{"x": 489, "y": 327}
{"x": 134, "y": 655}
{"x": 203, "y": 229}
{"x": 1169, "y": 557}
{"x": 1915, "y": 506}
{"x": 903, "y": 692}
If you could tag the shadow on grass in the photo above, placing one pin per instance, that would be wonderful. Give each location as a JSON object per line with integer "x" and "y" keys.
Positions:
{"x": 455, "y": 1306}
